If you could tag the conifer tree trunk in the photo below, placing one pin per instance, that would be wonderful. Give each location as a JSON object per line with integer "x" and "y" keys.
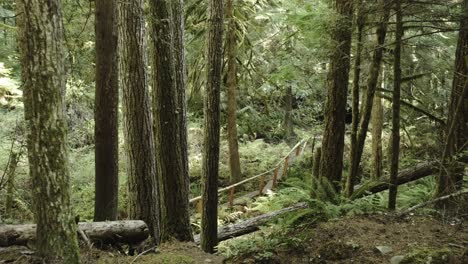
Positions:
{"x": 231, "y": 47}
{"x": 331, "y": 163}
{"x": 287, "y": 122}
{"x": 210, "y": 166}
{"x": 392, "y": 194}
{"x": 374, "y": 69}
{"x": 40, "y": 37}
{"x": 169, "y": 120}
{"x": 451, "y": 175}
{"x": 106, "y": 112}
{"x": 377, "y": 124}
{"x": 138, "y": 126}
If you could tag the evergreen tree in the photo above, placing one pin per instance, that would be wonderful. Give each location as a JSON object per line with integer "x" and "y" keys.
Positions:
{"x": 40, "y": 37}
{"x": 106, "y": 112}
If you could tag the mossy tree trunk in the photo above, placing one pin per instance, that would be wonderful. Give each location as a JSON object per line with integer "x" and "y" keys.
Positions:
{"x": 40, "y": 36}
{"x": 451, "y": 175}
{"x": 231, "y": 47}
{"x": 211, "y": 110}
{"x": 106, "y": 112}
{"x": 374, "y": 69}
{"x": 392, "y": 194}
{"x": 138, "y": 126}
{"x": 169, "y": 119}
{"x": 10, "y": 184}
{"x": 331, "y": 163}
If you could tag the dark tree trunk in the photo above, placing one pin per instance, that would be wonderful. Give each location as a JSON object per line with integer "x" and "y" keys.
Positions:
{"x": 288, "y": 122}
{"x": 10, "y": 184}
{"x": 210, "y": 166}
{"x": 377, "y": 125}
{"x": 106, "y": 112}
{"x": 169, "y": 119}
{"x": 138, "y": 126}
{"x": 360, "y": 19}
{"x": 40, "y": 37}
{"x": 374, "y": 69}
{"x": 231, "y": 47}
{"x": 451, "y": 175}
{"x": 331, "y": 163}
{"x": 396, "y": 108}
{"x": 316, "y": 164}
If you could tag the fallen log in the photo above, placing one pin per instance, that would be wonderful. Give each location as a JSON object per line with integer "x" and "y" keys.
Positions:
{"x": 111, "y": 232}
{"x": 252, "y": 224}
{"x": 407, "y": 175}
{"x": 446, "y": 197}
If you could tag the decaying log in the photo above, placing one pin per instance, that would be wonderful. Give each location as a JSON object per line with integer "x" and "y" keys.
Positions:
{"x": 251, "y": 225}
{"x": 407, "y": 175}
{"x": 111, "y": 232}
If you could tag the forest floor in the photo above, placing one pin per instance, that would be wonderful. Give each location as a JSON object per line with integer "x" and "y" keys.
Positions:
{"x": 377, "y": 238}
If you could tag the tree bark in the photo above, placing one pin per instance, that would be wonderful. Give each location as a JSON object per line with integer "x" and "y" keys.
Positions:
{"x": 360, "y": 21}
{"x": 109, "y": 232}
{"x": 231, "y": 47}
{"x": 316, "y": 165}
{"x": 396, "y": 108}
{"x": 10, "y": 184}
{"x": 211, "y": 112}
{"x": 106, "y": 112}
{"x": 374, "y": 69}
{"x": 138, "y": 128}
{"x": 171, "y": 151}
{"x": 377, "y": 125}
{"x": 288, "y": 122}
{"x": 331, "y": 163}
{"x": 450, "y": 177}
{"x": 40, "y": 37}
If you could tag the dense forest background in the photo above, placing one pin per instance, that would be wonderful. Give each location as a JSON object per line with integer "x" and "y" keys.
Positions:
{"x": 328, "y": 72}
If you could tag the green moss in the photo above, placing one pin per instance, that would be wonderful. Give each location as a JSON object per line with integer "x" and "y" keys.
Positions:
{"x": 428, "y": 255}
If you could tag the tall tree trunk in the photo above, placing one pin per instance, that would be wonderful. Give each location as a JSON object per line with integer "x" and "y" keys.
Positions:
{"x": 106, "y": 112}
{"x": 40, "y": 36}
{"x": 377, "y": 126}
{"x": 231, "y": 47}
{"x": 210, "y": 166}
{"x": 138, "y": 126}
{"x": 181, "y": 85}
{"x": 451, "y": 176}
{"x": 396, "y": 108}
{"x": 360, "y": 19}
{"x": 374, "y": 69}
{"x": 331, "y": 163}
{"x": 287, "y": 122}
{"x": 169, "y": 121}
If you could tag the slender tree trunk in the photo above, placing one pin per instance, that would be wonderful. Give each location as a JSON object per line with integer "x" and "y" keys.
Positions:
{"x": 360, "y": 19}
{"x": 169, "y": 121}
{"x": 40, "y": 36}
{"x": 331, "y": 163}
{"x": 10, "y": 184}
{"x": 374, "y": 69}
{"x": 396, "y": 108}
{"x": 316, "y": 165}
{"x": 288, "y": 122}
{"x": 138, "y": 126}
{"x": 451, "y": 176}
{"x": 231, "y": 47}
{"x": 377, "y": 125}
{"x": 209, "y": 226}
{"x": 106, "y": 112}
